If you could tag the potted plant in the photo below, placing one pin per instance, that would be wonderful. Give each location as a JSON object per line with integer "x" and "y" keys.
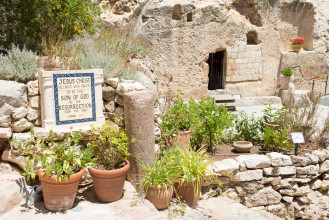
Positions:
{"x": 242, "y": 146}
{"x": 296, "y": 44}
{"x": 58, "y": 164}
{"x": 193, "y": 169}
{"x": 110, "y": 152}
{"x": 158, "y": 181}
{"x": 176, "y": 122}
{"x": 285, "y": 78}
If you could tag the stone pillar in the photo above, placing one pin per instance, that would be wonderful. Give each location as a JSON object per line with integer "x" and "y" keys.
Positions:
{"x": 139, "y": 123}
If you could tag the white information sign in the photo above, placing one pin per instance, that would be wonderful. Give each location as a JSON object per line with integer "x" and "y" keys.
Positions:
{"x": 297, "y": 137}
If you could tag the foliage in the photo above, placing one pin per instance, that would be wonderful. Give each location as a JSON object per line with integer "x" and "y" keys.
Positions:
{"x": 162, "y": 173}
{"x": 276, "y": 140}
{"x": 63, "y": 158}
{"x": 19, "y": 65}
{"x": 248, "y": 128}
{"x": 297, "y": 41}
{"x": 109, "y": 146}
{"x": 29, "y": 21}
{"x": 287, "y": 72}
{"x": 191, "y": 166}
{"x": 176, "y": 116}
{"x": 110, "y": 50}
{"x": 208, "y": 122}
{"x": 304, "y": 116}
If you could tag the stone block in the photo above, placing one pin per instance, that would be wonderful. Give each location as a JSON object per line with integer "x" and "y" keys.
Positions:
{"x": 34, "y": 101}
{"x": 5, "y": 133}
{"x": 110, "y": 106}
{"x": 139, "y": 124}
{"x": 254, "y": 161}
{"x": 308, "y": 170}
{"x": 113, "y": 82}
{"x": 33, "y": 88}
{"x": 21, "y": 125}
{"x": 300, "y": 161}
{"x": 248, "y": 175}
{"x": 108, "y": 93}
{"x": 324, "y": 167}
{"x": 33, "y": 114}
{"x": 19, "y": 113}
{"x": 226, "y": 167}
{"x": 314, "y": 159}
{"x": 6, "y": 109}
{"x": 266, "y": 196}
{"x": 288, "y": 170}
{"x": 278, "y": 159}
{"x": 316, "y": 184}
{"x": 320, "y": 154}
{"x": 13, "y": 93}
{"x": 5, "y": 121}
{"x": 125, "y": 87}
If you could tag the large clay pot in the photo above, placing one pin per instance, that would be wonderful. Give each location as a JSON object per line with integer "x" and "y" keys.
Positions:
{"x": 183, "y": 139}
{"x": 274, "y": 125}
{"x": 109, "y": 184}
{"x": 296, "y": 48}
{"x": 242, "y": 146}
{"x": 59, "y": 196}
{"x": 284, "y": 81}
{"x": 160, "y": 198}
{"x": 187, "y": 194}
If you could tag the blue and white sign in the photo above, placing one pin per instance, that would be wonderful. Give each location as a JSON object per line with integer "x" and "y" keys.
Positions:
{"x": 74, "y": 98}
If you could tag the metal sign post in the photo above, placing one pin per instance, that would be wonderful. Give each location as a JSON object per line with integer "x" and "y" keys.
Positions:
{"x": 297, "y": 138}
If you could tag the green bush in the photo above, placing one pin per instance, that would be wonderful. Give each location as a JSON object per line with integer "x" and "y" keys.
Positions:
{"x": 276, "y": 140}
{"x": 248, "y": 128}
{"x": 27, "y": 22}
{"x": 19, "y": 65}
{"x": 287, "y": 72}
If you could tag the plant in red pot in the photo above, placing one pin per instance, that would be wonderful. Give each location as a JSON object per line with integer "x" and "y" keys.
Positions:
{"x": 58, "y": 165}
{"x": 109, "y": 144}
{"x": 158, "y": 181}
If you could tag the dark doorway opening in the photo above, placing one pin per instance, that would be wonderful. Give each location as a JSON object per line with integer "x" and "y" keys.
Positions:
{"x": 216, "y": 64}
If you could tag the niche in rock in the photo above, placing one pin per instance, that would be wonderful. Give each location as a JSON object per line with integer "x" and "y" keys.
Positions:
{"x": 177, "y": 12}
{"x": 216, "y": 62}
{"x": 249, "y": 10}
{"x": 300, "y": 15}
{"x": 252, "y": 38}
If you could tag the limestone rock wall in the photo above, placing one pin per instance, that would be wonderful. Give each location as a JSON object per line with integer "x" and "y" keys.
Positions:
{"x": 290, "y": 187}
{"x": 182, "y": 34}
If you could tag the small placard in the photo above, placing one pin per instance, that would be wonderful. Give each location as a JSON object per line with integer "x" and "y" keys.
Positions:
{"x": 297, "y": 137}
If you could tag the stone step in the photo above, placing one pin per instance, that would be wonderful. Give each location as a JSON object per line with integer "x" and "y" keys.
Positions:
{"x": 225, "y": 99}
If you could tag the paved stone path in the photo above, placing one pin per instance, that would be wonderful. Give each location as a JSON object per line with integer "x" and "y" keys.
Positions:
{"x": 132, "y": 207}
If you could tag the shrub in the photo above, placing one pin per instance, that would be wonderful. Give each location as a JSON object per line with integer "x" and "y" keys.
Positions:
{"x": 110, "y": 50}
{"x": 248, "y": 128}
{"x": 50, "y": 20}
{"x": 19, "y": 65}
{"x": 276, "y": 140}
{"x": 287, "y": 72}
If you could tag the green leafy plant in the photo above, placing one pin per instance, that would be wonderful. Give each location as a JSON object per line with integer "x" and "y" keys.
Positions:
{"x": 19, "y": 65}
{"x": 50, "y": 20}
{"x": 248, "y": 128}
{"x": 287, "y": 72}
{"x": 161, "y": 174}
{"x": 61, "y": 158}
{"x": 109, "y": 146}
{"x": 208, "y": 123}
{"x": 276, "y": 140}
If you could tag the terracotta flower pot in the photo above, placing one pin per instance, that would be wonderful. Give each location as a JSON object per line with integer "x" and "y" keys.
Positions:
{"x": 186, "y": 193}
{"x": 183, "y": 139}
{"x": 109, "y": 184}
{"x": 59, "y": 196}
{"x": 160, "y": 198}
{"x": 296, "y": 48}
{"x": 242, "y": 146}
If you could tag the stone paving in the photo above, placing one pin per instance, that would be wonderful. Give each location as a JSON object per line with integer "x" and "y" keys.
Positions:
{"x": 132, "y": 207}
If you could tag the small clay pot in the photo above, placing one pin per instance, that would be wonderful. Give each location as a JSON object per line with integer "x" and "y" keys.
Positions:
{"x": 186, "y": 193}
{"x": 296, "y": 48}
{"x": 284, "y": 81}
{"x": 242, "y": 146}
{"x": 59, "y": 196}
{"x": 109, "y": 184}
{"x": 274, "y": 125}
{"x": 183, "y": 139}
{"x": 160, "y": 198}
